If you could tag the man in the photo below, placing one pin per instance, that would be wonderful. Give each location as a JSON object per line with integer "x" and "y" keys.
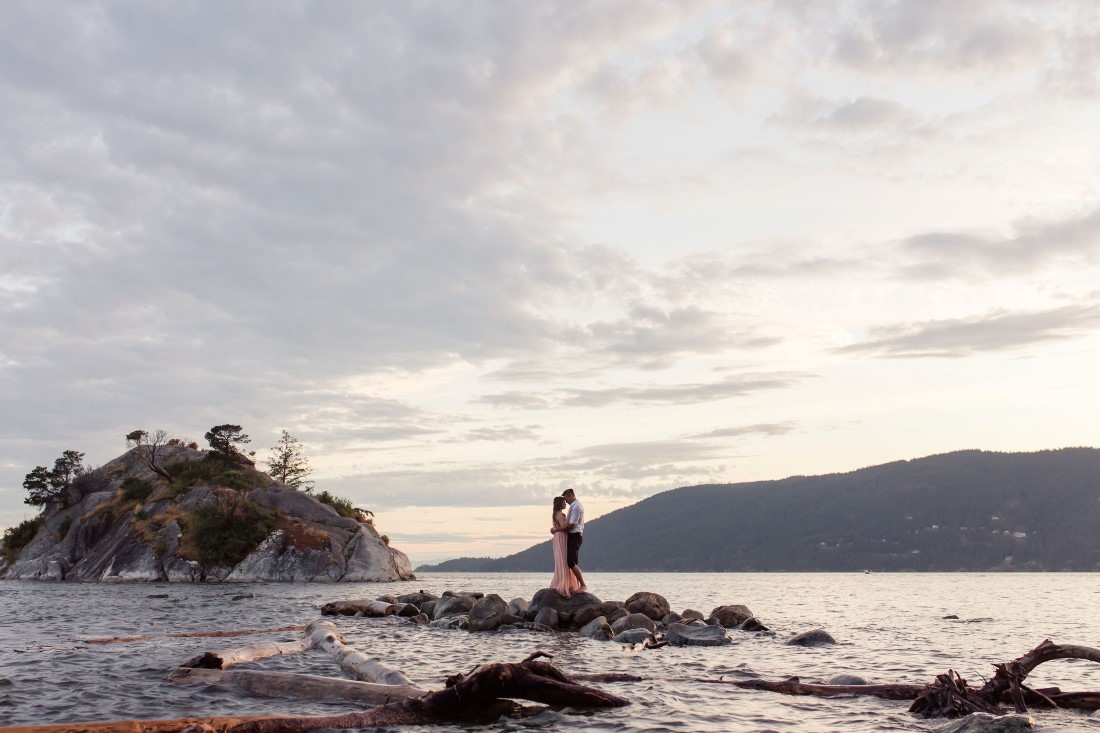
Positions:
{"x": 575, "y": 536}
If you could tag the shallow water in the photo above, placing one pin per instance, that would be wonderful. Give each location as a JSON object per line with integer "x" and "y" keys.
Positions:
{"x": 890, "y": 628}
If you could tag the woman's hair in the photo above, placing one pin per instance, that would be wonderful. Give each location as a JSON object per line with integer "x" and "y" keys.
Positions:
{"x": 559, "y": 503}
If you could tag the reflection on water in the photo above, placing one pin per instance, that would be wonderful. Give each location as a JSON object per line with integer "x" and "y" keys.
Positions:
{"x": 890, "y": 628}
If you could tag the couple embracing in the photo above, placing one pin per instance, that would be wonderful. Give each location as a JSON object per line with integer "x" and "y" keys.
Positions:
{"x": 568, "y": 531}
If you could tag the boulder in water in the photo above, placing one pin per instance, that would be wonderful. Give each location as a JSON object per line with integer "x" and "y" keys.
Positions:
{"x": 597, "y": 629}
{"x": 488, "y": 613}
{"x": 683, "y": 635}
{"x": 634, "y": 621}
{"x": 814, "y": 637}
{"x": 652, "y": 605}
{"x": 731, "y": 616}
{"x": 632, "y": 636}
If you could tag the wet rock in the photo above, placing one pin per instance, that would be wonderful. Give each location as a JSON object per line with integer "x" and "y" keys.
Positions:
{"x": 597, "y": 629}
{"x": 847, "y": 679}
{"x": 691, "y": 613}
{"x": 453, "y": 606}
{"x": 582, "y": 616}
{"x": 684, "y": 635}
{"x": 952, "y": 616}
{"x": 488, "y": 613}
{"x": 451, "y": 622}
{"x": 547, "y": 617}
{"x": 428, "y": 607}
{"x": 392, "y": 600}
{"x": 615, "y": 614}
{"x": 752, "y": 624}
{"x": 529, "y": 626}
{"x": 632, "y": 636}
{"x": 550, "y": 598}
{"x": 417, "y": 598}
{"x": 241, "y": 596}
{"x": 651, "y": 604}
{"x": 517, "y": 608}
{"x": 672, "y": 618}
{"x": 476, "y": 595}
{"x": 634, "y": 621}
{"x": 407, "y": 610}
{"x": 814, "y": 637}
{"x": 158, "y": 595}
{"x": 420, "y": 618}
{"x": 986, "y": 723}
{"x": 731, "y": 616}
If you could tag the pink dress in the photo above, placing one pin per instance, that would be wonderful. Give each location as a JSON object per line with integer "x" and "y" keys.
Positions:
{"x": 564, "y": 582}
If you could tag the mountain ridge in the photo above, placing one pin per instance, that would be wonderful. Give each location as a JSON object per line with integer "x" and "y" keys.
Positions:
{"x": 967, "y": 510}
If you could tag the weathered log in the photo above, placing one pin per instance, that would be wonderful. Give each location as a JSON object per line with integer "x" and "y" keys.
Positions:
{"x": 482, "y": 694}
{"x": 324, "y": 635}
{"x": 370, "y": 608}
{"x": 190, "y": 634}
{"x": 793, "y": 686}
{"x": 240, "y": 655}
{"x": 296, "y": 686}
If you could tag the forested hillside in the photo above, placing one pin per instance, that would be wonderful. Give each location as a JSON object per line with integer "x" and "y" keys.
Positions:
{"x": 969, "y": 510}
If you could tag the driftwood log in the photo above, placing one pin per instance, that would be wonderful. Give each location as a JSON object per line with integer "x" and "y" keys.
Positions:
{"x": 325, "y": 636}
{"x": 950, "y": 696}
{"x": 296, "y": 686}
{"x": 482, "y": 695}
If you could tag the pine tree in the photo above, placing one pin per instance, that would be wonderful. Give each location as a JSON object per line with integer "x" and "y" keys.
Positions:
{"x": 40, "y": 488}
{"x": 223, "y": 440}
{"x": 288, "y": 465}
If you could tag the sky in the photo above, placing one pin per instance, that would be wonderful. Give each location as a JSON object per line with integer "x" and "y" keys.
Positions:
{"x": 471, "y": 253}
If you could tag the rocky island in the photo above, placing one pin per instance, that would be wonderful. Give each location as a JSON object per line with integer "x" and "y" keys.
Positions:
{"x": 167, "y": 511}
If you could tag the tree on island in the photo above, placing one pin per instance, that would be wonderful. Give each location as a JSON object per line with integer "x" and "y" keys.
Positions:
{"x": 288, "y": 465}
{"x": 150, "y": 449}
{"x": 224, "y": 439}
{"x": 45, "y": 485}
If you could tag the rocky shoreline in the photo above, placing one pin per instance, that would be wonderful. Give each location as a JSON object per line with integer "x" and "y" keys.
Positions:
{"x": 645, "y": 618}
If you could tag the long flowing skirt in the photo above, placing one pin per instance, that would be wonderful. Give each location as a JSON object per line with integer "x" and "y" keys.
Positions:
{"x": 564, "y": 582}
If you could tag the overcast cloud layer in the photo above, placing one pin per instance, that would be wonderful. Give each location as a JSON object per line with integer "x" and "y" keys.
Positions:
{"x": 472, "y": 252}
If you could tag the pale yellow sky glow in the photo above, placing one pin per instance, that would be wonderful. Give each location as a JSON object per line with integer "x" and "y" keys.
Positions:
{"x": 470, "y": 255}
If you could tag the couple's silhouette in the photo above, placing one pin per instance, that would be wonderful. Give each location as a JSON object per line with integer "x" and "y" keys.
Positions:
{"x": 568, "y": 531}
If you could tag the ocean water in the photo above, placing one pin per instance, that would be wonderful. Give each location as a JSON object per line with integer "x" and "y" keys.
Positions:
{"x": 890, "y": 628}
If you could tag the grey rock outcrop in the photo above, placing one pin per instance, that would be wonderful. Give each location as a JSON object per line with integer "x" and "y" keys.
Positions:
{"x": 109, "y": 535}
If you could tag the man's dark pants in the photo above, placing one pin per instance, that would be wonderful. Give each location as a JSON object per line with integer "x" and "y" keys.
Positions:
{"x": 573, "y": 549}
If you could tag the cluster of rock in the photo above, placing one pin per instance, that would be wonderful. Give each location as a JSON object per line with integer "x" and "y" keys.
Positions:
{"x": 644, "y": 618}
{"x": 85, "y": 542}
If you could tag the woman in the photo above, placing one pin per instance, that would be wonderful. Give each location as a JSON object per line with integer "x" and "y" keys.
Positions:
{"x": 564, "y": 582}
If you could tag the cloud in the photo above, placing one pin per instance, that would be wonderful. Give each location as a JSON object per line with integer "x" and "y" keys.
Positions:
{"x": 938, "y": 35}
{"x": 1029, "y": 244}
{"x": 992, "y": 332}
{"x": 736, "y": 385}
{"x": 757, "y": 429}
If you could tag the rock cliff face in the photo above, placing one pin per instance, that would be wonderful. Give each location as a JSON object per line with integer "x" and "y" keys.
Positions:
{"x": 112, "y": 535}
